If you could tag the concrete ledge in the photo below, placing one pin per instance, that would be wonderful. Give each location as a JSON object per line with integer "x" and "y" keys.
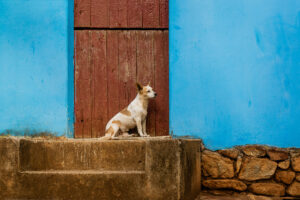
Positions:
{"x": 150, "y": 168}
{"x": 82, "y": 155}
{"x": 81, "y": 186}
{"x": 190, "y": 168}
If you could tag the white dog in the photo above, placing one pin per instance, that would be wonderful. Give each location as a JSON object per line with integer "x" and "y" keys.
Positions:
{"x": 134, "y": 115}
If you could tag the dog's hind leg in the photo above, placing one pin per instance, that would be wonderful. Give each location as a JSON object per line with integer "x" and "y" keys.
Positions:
{"x": 116, "y": 129}
{"x": 111, "y": 131}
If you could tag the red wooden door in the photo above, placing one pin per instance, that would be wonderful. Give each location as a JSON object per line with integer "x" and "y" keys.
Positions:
{"x": 109, "y": 61}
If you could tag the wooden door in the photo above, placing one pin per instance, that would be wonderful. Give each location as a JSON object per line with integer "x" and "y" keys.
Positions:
{"x": 119, "y": 43}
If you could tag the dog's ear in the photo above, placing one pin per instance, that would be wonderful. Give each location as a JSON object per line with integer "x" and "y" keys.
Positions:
{"x": 139, "y": 87}
{"x": 149, "y": 83}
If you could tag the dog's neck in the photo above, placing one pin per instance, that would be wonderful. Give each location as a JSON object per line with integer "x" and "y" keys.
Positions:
{"x": 144, "y": 101}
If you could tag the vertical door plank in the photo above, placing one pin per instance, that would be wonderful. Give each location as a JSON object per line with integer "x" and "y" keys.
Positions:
{"x": 86, "y": 88}
{"x": 87, "y": 109}
{"x": 164, "y": 13}
{"x": 127, "y": 67}
{"x": 117, "y": 13}
{"x": 82, "y": 85}
{"x": 122, "y": 12}
{"x": 132, "y": 64}
{"x": 145, "y": 71}
{"x": 151, "y": 13}
{"x": 80, "y": 56}
{"x": 165, "y": 117}
{"x": 124, "y": 75}
{"x": 135, "y": 14}
{"x": 80, "y": 60}
{"x": 99, "y": 13}
{"x": 112, "y": 73}
{"x": 82, "y": 13}
{"x": 113, "y": 13}
{"x": 98, "y": 56}
{"x": 161, "y": 82}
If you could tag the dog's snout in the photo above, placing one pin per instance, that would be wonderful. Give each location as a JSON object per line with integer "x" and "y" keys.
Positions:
{"x": 155, "y": 94}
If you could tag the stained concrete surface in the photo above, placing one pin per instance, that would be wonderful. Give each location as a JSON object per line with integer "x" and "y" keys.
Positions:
{"x": 148, "y": 168}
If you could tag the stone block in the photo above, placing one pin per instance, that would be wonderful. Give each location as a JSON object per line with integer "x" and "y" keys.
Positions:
{"x": 9, "y": 150}
{"x": 190, "y": 157}
{"x": 298, "y": 177}
{"x": 238, "y": 164}
{"x": 257, "y": 169}
{"x": 294, "y": 189}
{"x": 270, "y": 189}
{"x": 162, "y": 162}
{"x": 284, "y": 164}
{"x": 216, "y": 165}
{"x": 230, "y": 153}
{"x": 278, "y": 155}
{"x": 225, "y": 184}
{"x": 9, "y": 155}
{"x": 286, "y": 177}
{"x": 254, "y": 150}
{"x": 296, "y": 163}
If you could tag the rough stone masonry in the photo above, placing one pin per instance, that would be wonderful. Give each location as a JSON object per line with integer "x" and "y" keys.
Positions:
{"x": 253, "y": 169}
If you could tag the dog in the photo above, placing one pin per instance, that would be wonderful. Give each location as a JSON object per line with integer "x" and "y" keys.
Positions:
{"x": 134, "y": 115}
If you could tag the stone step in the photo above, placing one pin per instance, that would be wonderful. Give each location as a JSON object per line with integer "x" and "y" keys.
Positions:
{"x": 91, "y": 172}
{"x": 36, "y": 155}
{"x": 149, "y": 168}
{"x": 74, "y": 184}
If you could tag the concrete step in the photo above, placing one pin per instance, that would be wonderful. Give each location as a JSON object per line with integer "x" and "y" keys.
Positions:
{"x": 76, "y": 184}
{"x": 90, "y": 154}
{"x": 152, "y": 168}
{"x": 91, "y": 172}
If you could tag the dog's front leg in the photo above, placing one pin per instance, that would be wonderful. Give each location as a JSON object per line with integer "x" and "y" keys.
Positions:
{"x": 139, "y": 127}
{"x": 144, "y": 128}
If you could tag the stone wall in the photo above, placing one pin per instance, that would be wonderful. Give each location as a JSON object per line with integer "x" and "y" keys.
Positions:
{"x": 253, "y": 169}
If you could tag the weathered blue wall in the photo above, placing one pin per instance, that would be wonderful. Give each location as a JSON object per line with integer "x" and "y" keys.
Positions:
{"x": 36, "y": 66}
{"x": 235, "y": 71}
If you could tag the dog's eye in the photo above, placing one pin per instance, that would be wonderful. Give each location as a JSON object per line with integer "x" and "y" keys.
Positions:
{"x": 148, "y": 91}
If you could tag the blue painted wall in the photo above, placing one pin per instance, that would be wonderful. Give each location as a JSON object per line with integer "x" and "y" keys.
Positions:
{"x": 36, "y": 66}
{"x": 235, "y": 71}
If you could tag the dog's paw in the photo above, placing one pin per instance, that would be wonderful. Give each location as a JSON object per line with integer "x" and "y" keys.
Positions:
{"x": 125, "y": 134}
{"x": 146, "y": 135}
